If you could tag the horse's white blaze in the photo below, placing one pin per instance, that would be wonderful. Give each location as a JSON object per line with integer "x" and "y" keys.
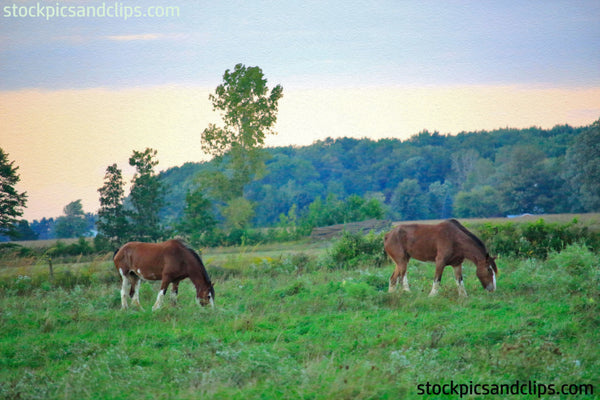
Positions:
{"x": 492, "y": 286}
{"x": 212, "y": 301}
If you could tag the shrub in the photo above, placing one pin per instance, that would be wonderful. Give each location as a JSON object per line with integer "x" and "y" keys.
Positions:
{"x": 535, "y": 239}
{"x": 354, "y": 248}
{"x": 11, "y": 250}
{"x": 580, "y": 264}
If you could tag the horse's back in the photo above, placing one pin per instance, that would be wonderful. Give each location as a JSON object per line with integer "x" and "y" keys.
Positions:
{"x": 420, "y": 241}
{"x": 448, "y": 240}
{"x": 140, "y": 257}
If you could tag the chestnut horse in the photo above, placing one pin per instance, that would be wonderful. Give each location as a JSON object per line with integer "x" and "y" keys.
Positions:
{"x": 170, "y": 262}
{"x": 447, "y": 243}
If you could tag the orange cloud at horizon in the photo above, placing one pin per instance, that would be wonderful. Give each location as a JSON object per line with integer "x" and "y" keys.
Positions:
{"x": 62, "y": 141}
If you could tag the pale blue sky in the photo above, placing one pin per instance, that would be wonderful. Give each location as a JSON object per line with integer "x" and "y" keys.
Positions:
{"x": 307, "y": 43}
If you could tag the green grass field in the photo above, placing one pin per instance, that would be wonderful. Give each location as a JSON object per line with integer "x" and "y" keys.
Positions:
{"x": 287, "y": 326}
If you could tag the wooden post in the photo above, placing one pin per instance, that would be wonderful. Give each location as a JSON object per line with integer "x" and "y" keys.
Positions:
{"x": 50, "y": 268}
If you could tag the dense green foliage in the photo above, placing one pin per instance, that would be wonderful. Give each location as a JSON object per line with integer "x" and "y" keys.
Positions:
{"x": 146, "y": 197}
{"x": 72, "y": 224}
{"x": 472, "y": 174}
{"x": 113, "y": 225}
{"x": 286, "y": 325}
{"x": 583, "y": 168}
{"x": 429, "y": 176}
{"x": 535, "y": 239}
{"x": 11, "y": 201}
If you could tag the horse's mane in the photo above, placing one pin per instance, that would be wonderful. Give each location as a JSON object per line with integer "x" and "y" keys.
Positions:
{"x": 197, "y": 257}
{"x": 470, "y": 235}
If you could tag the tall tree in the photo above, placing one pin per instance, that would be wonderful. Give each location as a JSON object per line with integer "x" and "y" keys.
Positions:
{"x": 112, "y": 222}
{"x": 147, "y": 196}
{"x": 408, "y": 201}
{"x": 73, "y": 223}
{"x": 198, "y": 219}
{"x": 23, "y": 231}
{"x": 439, "y": 201}
{"x": 479, "y": 202}
{"x": 11, "y": 201}
{"x": 583, "y": 169}
{"x": 524, "y": 181}
{"x": 249, "y": 112}
{"x": 463, "y": 162}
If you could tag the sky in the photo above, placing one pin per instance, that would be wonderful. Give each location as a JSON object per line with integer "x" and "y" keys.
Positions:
{"x": 83, "y": 83}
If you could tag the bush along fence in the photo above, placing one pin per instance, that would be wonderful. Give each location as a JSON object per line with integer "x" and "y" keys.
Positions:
{"x": 534, "y": 239}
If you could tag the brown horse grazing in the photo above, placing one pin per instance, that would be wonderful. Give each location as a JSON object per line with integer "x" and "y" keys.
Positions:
{"x": 447, "y": 243}
{"x": 170, "y": 261}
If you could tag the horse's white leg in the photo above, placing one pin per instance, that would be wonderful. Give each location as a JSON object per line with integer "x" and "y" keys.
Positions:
{"x": 439, "y": 269}
{"x": 393, "y": 284}
{"x": 136, "y": 294}
{"x": 399, "y": 274}
{"x": 435, "y": 288}
{"x": 124, "y": 289}
{"x": 462, "y": 292}
{"x": 174, "y": 293}
{"x": 459, "y": 281}
{"x": 405, "y": 286}
{"x": 159, "y": 299}
{"x": 161, "y": 293}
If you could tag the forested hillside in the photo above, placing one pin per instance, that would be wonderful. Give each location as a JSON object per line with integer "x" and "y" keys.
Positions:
{"x": 472, "y": 174}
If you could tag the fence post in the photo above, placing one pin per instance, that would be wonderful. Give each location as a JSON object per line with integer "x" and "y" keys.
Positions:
{"x": 50, "y": 268}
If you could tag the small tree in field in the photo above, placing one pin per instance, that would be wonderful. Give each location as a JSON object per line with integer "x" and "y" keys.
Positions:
{"x": 73, "y": 223}
{"x": 249, "y": 111}
{"x": 11, "y": 201}
{"x": 147, "y": 196}
{"x": 112, "y": 218}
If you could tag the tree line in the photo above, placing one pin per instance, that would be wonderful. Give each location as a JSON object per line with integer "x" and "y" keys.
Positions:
{"x": 428, "y": 176}
{"x": 473, "y": 174}
{"x": 247, "y": 188}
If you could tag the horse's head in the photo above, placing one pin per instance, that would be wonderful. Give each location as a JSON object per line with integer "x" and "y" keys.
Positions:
{"x": 486, "y": 272}
{"x": 206, "y": 295}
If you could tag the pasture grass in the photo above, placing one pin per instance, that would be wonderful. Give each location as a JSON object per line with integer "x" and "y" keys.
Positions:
{"x": 289, "y": 326}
